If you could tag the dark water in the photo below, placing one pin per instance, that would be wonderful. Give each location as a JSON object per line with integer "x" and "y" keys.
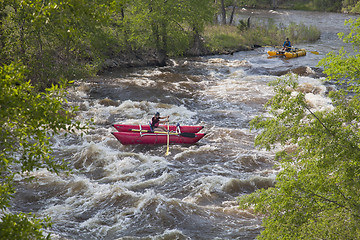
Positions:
{"x": 135, "y": 192}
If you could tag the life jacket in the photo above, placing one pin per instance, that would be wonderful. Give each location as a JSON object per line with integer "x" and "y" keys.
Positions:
{"x": 287, "y": 44}
{"x": 154, "y": 122}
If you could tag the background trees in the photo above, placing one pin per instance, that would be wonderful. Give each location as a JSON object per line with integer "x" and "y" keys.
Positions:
{"x": 53, "y": 38}
{"x": 71, "y": 38}
{"x": 171, "y": 26}
{"x": 316, "y": 195}
{"x": 352, "y": 6}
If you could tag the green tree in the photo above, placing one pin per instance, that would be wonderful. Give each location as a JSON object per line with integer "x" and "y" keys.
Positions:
{"x": 352, "y": 6}
{"x": 167, "y": 26}
{"x": 28, "y": 120}
{"x": 256, "y": 3}
{"x": 54, "y": 38}
{"x": 72, "y": 38}
{"x": 317, "y": 192}
{"x": 327, "y": 5}
{"x": 23, "y": 226}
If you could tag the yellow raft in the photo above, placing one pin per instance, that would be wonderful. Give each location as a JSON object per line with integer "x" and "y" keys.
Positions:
{"x": 292, "y": 54}
{"x": 296, "y": 53}
{"x": 274, "y": 53}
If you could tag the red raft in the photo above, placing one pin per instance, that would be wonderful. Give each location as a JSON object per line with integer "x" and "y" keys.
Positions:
{"x": 148, "y": 137}
{"x": 175, "y": 128}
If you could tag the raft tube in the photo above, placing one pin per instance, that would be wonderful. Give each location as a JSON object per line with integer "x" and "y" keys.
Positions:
{"x": 127, "y": 138}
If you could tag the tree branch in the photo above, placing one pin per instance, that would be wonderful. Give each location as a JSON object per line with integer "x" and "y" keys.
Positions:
{"x": 329, "y": 131}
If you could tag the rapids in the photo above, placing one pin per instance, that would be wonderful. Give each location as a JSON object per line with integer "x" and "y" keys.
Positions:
{"x": 135, "y": 192}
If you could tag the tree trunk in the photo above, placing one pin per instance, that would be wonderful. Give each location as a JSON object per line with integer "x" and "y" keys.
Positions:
{"x": 162, "y": 52}
{"x": 198, "y": 47}
{"x": 223, "y": 12}
{"x": 232, "y": 14}
{"x": 124, "y": 29}
{"x": 160, "y": 38}
{"x": 216, "y": 22}
{"x": 274, "y": 4}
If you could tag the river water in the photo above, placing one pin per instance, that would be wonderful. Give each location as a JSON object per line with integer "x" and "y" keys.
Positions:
{"x": 135, "y": 192}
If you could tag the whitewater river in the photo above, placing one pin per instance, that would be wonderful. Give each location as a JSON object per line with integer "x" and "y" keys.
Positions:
{"x": 135, "y": 192}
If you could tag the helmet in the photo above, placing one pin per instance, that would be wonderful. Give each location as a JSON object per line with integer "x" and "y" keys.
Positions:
{"x": 157, "y": 114}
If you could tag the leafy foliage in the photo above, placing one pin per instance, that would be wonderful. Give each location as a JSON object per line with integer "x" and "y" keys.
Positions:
{"x": 28, "y": 119}
{"x": 23, "y": 226}
{"x": 53, "y": 37}
{"x": 71, "y": 39}
{"x": 343, "y": 67}
{"x": 316, "y": 195}
{"x": 352, "y": 6}
{"x": 327, "y": 5}
{"x": 169, "y": 25}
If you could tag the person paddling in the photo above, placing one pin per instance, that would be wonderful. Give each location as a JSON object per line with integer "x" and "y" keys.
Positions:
{"x": 156, "y": 120}
{"x": 287, "y": 45}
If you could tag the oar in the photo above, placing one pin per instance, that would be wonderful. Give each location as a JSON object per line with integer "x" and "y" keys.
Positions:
{"x": 315, "y": 52}
{"x": 272, "y": 46}
{"x": 184, "y": 134}
{"x": 168, "y": 140}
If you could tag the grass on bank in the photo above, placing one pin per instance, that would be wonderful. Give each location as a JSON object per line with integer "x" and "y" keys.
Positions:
{"x": 221, "y": 38}
{"x": 313, "y": 5}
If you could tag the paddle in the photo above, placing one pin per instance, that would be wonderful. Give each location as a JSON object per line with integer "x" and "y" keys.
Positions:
{"x": 168, "y": 140}
{"x": 189, "y": 135}
{"x": 272, "y": 46}
{"x": 313, "y": 52}
{"x": 184, "y": 134}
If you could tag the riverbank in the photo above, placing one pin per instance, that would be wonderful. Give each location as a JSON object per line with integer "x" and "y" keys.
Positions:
{"x": 306, "y": 5}
{"x": 133, "y": 59}
{"x": 219, "y": 40}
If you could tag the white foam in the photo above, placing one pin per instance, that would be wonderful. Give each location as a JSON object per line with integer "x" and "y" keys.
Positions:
{"x": 204, "y": 187}
{"x": 318, "y": 102}
{"x": 315, "y": 93}
{"x": 131, "y": 171}
{"x": 239, "y": 88}
{"x": 229, "y": 63}
{"x": 193, "y": 151}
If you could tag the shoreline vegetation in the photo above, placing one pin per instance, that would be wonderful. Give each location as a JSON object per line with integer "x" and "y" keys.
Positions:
{"x": 224, "y": 39}
{"x": 221, "y": 37}
{"x": 344, "y": 6}
{"x": 71, "y": 41}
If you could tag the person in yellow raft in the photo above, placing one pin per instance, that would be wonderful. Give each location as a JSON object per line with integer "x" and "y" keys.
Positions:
{"x": 156, "y": 120}
{"x": 287, "y": 45}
